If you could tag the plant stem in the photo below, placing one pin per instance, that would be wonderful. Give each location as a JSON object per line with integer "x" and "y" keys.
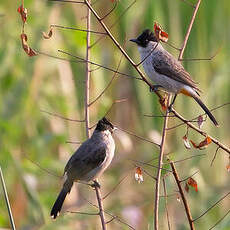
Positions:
{"x": 87, "y": 74}
{"x": 189, "y": 29}
{"x": 7, "y": 200}
{"x": 186, "y": 206}
{"x": 158, "y": 177}
{"x": 87, "y": 104}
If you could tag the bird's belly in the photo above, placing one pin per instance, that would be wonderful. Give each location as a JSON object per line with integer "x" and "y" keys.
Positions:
{"x": 96, "y": 172}
{"x": 167, "y": 83}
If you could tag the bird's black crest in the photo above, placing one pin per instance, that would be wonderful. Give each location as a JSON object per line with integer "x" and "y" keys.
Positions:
{"x": 104, "y": 124}
{"x": 146, "y": 36}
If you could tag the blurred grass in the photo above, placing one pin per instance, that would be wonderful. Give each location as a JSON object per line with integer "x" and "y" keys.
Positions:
{"x": 28, "y": 85}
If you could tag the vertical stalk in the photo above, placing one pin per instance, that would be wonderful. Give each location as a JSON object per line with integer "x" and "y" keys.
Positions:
{"x": 189, "y": 30}
{"x": 87, "y": 122}
{"x": 160, "y": 161}
{"x": 100, "y": 205}
{"x": 7, "y": 200}
{"x": 186, "y": 206}
{"x": 87, "y": 73}
{"x": 166, "y": 203}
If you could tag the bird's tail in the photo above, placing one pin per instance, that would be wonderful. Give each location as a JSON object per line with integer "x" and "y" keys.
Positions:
{"x": 203, "y": 106}
{"x": 60, "y": 200}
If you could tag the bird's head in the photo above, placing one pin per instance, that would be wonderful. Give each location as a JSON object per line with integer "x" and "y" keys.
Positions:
{"x": 104, "y": 125}
{"x": 144, "y": 38}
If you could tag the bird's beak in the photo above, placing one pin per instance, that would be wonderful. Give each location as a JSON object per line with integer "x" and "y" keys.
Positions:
{"x": 134, "y": 40}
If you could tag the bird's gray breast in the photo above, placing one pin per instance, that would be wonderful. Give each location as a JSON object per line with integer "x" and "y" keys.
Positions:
{"x": 156, "y": 58}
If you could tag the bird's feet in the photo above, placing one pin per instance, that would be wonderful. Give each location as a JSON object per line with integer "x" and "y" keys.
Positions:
{"x": 170, "y": 108}
{"x": 154, "y": 88}
{"x": 95, "y": 185}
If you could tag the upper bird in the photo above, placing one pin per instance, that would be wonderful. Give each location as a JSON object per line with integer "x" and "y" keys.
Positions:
{"x": 166, "y": 71}
{"x": 89, "y": 161}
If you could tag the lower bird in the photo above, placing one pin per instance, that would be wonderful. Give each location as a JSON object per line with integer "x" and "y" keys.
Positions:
{"x": 166, "y": 71}
{"x": 89, "y": 161}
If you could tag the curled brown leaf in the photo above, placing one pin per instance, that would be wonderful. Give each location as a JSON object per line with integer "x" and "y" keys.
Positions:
{"x": 191, "y": 182}
{"x": 23, "y": 12}
{"x": 49, "y": 34}
{"x": 159, "y": 33}
{"x": 200, "y": 121}
{"x": 186, "y": 142}
{"x": 29, "y": 51}
{"x": 203, "y": 144}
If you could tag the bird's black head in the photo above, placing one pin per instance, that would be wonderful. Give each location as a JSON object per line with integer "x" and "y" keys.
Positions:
{"x": 104, "y": 124}
{"x": 143, "y": 39}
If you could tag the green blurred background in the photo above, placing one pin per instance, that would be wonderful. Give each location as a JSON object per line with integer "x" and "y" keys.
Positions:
{"x": 29, "y": 85}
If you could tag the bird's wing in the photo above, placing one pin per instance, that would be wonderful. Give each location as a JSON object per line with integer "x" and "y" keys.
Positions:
{"x": 167, "y": 65}
{"x": 85, "y": 159}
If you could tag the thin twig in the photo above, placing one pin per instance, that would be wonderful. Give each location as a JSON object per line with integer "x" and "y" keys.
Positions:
{"x": 189, "y": 3}
{"x": 109, "y": 84}
{"x": 195, "y": 119}
{"x": 68, "y": 1}
{"x": 148, "y": 174}
{"x": 84, "y": 213}
{"x": 73, "y": 28}
{"x": 189, "y": 176}
{"x": 219, "y": 220}
{"x": 214, "y": 156}
{"x": 166, "y": 203}
{"x": 158, "y": 177}
{"x": 42, "y": 168}
{"x": 156, "y": 116}
{"x": 217, "y": 202}
{"x": 87, "y": 122}
{"x": 7, "y": 200}
{"x": 115, "y": 187}
{"x": 119, "y": 46}
{"x": 100, "y": 205}
{"x": 96, "y": 64}
{"x": 106, "y": 15}
{"x": 222, "y": 146}
{"x": 186, "y": 206}
{"x": 153, "y": 166}
{"x": 188, "y": 158}
{"x": 151, "y": 51}
{"x": 87, "y": 73}
{"x": 111, "y": 215}
{"x": 189, "y": 29}
{"x": 118, "y": 19}
{"x": 139, "y": 137}
{"x": 60, "y": 116}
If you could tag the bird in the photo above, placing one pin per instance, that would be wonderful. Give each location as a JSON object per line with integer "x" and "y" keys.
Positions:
{"x": 166, "y": 71}
{"x": 88, "y": 162}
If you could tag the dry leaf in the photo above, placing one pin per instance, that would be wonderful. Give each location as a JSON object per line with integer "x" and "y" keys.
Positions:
{"x": 30, "y": 52}
{"x": 138, "y": 175}
{"x": 49, "y": 35}
{"x": 160, "y": 34}
{"x": 186, "y": 187}
{"x": 186, "y": 142}
{"x": 200, "y": 121}
{"x": 192, "y": 183}
{"x": 203, "y": 144}
{"x": 23, "y": 12}
{"x": 163, "y": 102}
